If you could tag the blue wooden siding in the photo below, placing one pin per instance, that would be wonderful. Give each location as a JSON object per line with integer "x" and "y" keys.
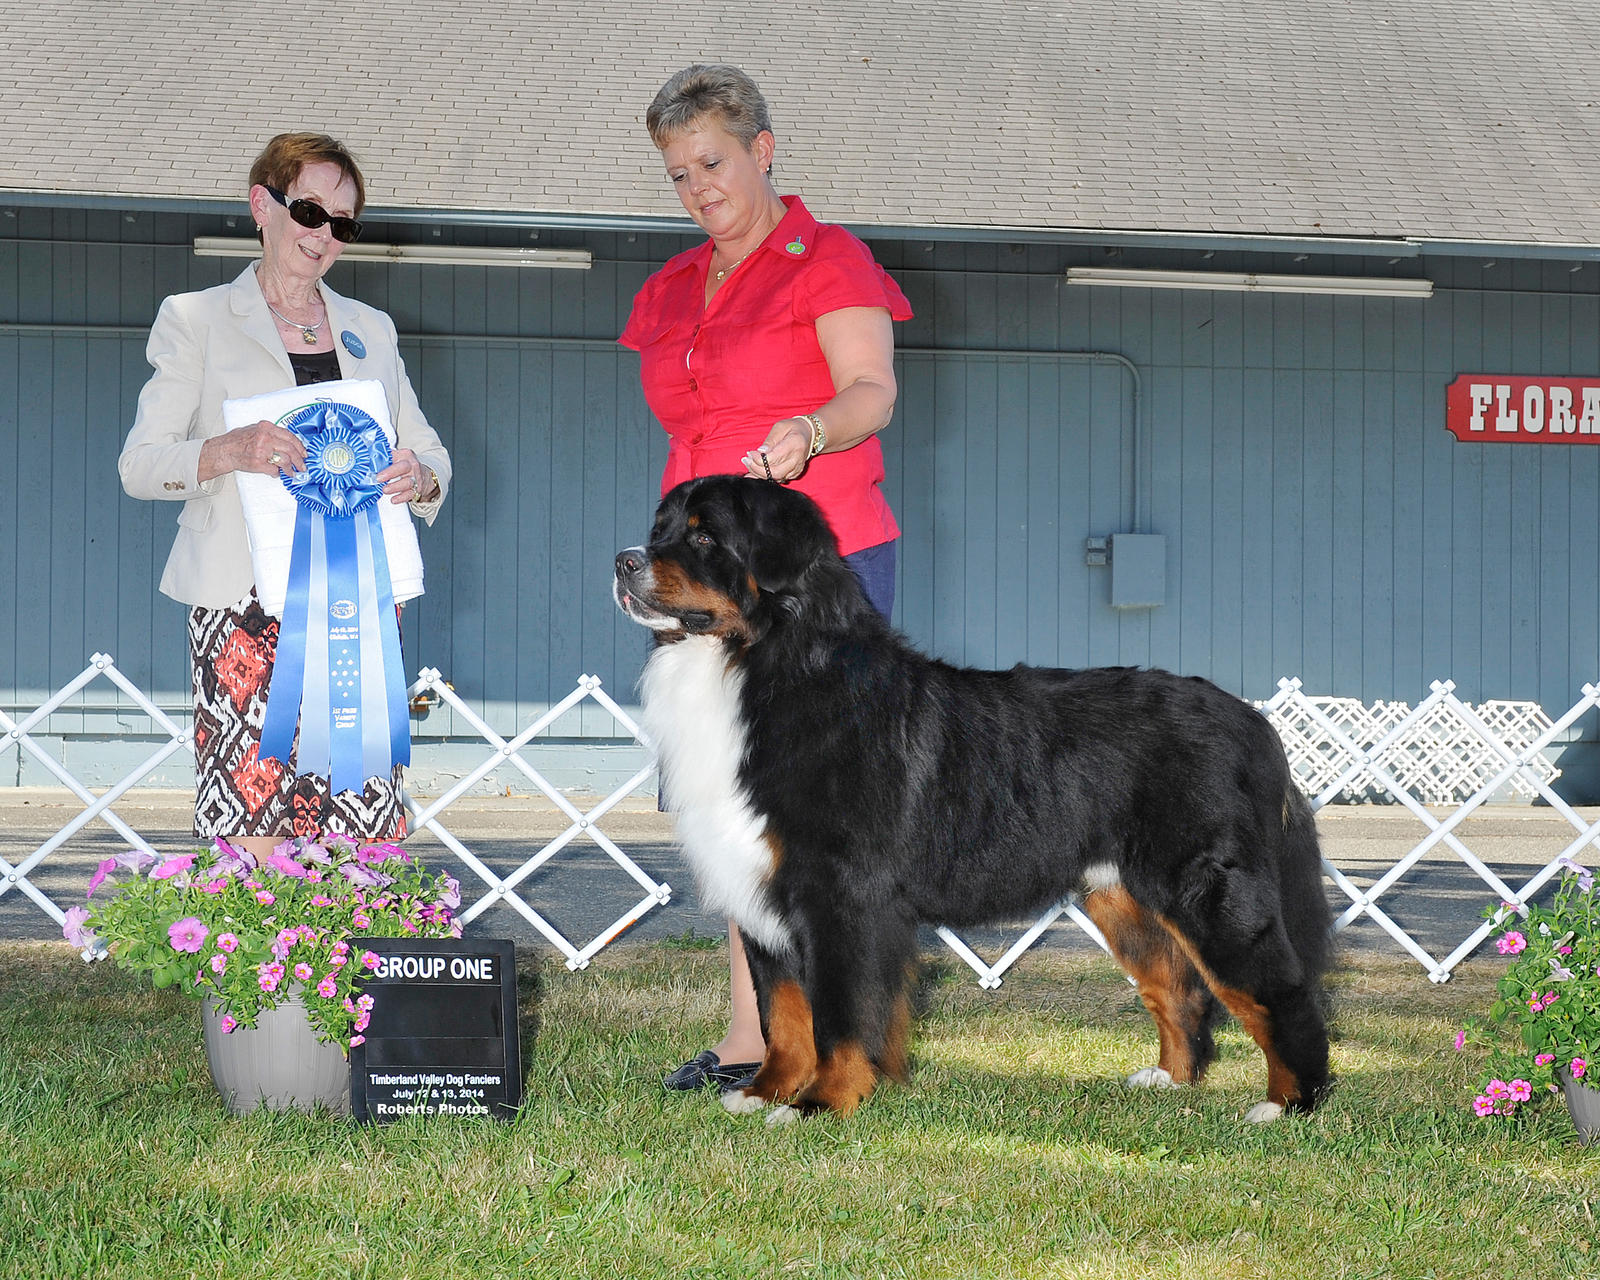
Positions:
{"x": 1319, "y": 521}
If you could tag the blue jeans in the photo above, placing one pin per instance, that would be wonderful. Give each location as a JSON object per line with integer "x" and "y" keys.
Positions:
{"x": 874, "y": 570}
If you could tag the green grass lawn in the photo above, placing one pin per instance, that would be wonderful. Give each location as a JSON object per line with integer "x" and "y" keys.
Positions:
{"x": 1014, "y": 1151}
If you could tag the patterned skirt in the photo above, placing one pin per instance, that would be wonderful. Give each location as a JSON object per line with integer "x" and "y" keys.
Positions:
{"x": 237, "y": 793}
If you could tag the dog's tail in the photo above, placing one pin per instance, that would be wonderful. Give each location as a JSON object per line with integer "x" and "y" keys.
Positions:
{"x": 1306, "y": 914}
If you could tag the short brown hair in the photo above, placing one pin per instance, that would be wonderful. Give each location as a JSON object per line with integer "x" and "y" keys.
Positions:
{"x": 715, "y": 89}
{"x": 282, "y": 159}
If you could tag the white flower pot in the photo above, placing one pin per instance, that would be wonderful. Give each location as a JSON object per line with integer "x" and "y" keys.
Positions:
{"x": 1583, "y": 1102}
{"x": 278, "y": 1064}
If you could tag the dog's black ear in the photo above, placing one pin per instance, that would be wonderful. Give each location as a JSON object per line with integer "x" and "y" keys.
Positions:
{"x": 789, "y": 537}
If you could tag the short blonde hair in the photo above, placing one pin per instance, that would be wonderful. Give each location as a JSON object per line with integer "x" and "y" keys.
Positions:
{"x": 716, "y": 90}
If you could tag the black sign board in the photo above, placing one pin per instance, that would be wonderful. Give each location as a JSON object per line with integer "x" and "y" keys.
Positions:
{"x": 443, "y": 1039}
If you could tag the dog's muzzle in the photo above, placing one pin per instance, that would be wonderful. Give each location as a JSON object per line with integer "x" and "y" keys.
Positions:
{"x": 632, "y": 587}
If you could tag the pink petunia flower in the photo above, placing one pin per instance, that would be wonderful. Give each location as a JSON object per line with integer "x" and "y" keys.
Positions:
{"x": 1512, "y": 944}
{"x": 172, "y": 866}
{"x": 355, "y": 1040}
{"x": 219, "y": 964}
{"x": 361, "y": 920}
{"x": 328, "y": 987}
{"x": 227, "y": 942}
{"x": 1577, "y": 1067}
{"x": 302, "y": 971}
{"x": 1520, "y": 1091}
{"x": 286, "y": 866}
{"x": 369, "y": 960}
{"x": 264, "y": 898}
{"x": 1483, "y": 1105}
{"x": 1461, "y": 1041}
{"x": 74, "y": 929}
{"x": 1544, "y": 1059}
{"x": 100, "y": 873}
{"x": 229, "y": 1022}
{"x": 188, "y": 934}
{"x": 269, "y": 975}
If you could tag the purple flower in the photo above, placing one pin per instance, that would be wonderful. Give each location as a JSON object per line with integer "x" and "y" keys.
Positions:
{"x": 172, "y": 867}
{"x": 1512, "y": 943}
{"x": 314, "y": 852}
{"x": 358, "y": 875}
{"x": 135, "y": 860}
{"x": 451, "y": 897}
{"x": 1461, "y": 1041}
{"x": 74, "y": 929}
{"x": 99, "y": 876}
{"x": 188, "y": 934}
{"x": 286, "y": 866}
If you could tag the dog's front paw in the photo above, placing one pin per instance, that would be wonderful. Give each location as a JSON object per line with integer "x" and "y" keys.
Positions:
{"x": 783, "y": 1114}
{"x": 1263, "y": 1113}
{"x": 741, "y": 1102}
{"x": 1152, "y": 1078}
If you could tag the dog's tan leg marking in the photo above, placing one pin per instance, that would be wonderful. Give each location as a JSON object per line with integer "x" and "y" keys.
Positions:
{"x": 1152, "y": 957}
{"x": 791, "y": 1061}
{"x": 844, "y": 1081}
{"x": 895, "y": 1061}
{"x": 1283, "y": 1086}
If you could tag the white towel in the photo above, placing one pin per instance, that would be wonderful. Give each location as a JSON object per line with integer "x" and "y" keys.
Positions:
{"x": 269, "y": 510}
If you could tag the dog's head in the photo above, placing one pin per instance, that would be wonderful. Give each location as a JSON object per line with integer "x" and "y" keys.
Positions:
{"x": 731, "y": 557}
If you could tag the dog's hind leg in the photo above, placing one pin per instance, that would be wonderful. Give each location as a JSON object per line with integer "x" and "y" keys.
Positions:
{"x": 1262, "y": 982}
{"x": 1184, "y": 1009}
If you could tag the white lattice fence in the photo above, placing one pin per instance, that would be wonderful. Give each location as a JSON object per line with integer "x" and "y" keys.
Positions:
{"x": 1441, "y": 752}
{"x": 503, "y": 753}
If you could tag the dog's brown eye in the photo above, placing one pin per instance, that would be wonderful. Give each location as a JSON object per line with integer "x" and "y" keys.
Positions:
{"x": 701, "y": 538}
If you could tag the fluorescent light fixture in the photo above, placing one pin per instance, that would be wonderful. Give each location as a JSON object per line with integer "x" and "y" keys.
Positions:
{"x": 1250, "y": 282}
{"x": 444, "y": 255}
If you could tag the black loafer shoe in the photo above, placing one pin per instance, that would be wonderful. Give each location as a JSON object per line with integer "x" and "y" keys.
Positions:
{"x": 706, "y": 1068}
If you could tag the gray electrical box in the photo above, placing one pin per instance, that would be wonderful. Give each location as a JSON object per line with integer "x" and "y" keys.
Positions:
{"x": 1138, "y": 570}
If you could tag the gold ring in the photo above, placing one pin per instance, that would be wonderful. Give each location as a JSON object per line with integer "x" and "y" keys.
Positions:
{"x": 274, "y": 458}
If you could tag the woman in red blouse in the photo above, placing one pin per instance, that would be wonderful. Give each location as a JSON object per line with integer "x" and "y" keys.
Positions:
{"x": 767, "y": 350}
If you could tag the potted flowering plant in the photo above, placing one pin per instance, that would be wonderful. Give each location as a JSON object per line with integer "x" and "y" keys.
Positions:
{"x": 249, "y": 935}
{"x": 1549, "y": 1002}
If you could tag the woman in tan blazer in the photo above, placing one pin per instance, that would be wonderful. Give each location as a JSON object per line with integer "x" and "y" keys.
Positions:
{"x": 275, "y": 326}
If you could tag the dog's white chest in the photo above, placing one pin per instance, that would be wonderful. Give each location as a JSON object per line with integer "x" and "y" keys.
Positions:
{"x": 691, "y": 703}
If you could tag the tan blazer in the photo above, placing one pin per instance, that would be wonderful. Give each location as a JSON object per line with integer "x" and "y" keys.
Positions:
{"x": 216, "y": 345}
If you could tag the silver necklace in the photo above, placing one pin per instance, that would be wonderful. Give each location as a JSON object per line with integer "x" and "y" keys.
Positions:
{"x": 307, "y": 331}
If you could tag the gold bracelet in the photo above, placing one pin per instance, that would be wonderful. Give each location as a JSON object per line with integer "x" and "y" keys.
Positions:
{"x": 819, "y": 435}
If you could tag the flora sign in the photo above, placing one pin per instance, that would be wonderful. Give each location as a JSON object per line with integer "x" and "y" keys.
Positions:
{"x": 1490, "y": 408}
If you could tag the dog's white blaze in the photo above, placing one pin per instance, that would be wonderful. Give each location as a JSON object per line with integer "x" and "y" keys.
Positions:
{"x": 690, "y": 694}
{"x": 1101, "y": 875}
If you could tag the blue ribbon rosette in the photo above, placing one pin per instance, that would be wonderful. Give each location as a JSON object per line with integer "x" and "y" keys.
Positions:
{"x": 338, "y": 671}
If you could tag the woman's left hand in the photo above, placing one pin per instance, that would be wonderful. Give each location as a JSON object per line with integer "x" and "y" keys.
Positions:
{"x": 405, "y": 479}
{"x": 787, "y": 449}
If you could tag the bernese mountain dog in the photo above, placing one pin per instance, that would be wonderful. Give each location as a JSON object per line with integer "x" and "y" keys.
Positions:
{"x": 834, "y": 789}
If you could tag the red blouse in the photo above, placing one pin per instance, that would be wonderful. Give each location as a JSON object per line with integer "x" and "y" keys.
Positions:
{"x": 717, "y": 377}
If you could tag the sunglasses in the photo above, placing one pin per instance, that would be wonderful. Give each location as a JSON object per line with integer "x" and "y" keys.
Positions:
{"x": 308, "y": 213}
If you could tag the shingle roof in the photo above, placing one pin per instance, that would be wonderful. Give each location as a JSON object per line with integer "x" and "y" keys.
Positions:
{"x": 1449, "y": 119}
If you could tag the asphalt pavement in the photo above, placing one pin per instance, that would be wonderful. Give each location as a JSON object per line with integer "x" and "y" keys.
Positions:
{"x": 582, "y": 892}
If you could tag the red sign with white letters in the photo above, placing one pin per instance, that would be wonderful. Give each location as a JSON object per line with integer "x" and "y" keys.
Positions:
{"x": 1496, "y": 408}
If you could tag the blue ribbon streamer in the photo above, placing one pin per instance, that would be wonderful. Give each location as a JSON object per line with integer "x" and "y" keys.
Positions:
{"x": 339, "y": 628}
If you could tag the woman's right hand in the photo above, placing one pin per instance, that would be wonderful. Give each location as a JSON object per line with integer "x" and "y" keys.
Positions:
{"x": 264, "y": 448}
